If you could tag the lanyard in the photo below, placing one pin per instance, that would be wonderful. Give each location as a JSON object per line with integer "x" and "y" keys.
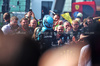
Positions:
{"x": 23, "y": 29}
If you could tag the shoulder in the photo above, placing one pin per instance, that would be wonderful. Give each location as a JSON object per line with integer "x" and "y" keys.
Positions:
{"x": 84, "y": 48}
{"x": 6, "y": 26}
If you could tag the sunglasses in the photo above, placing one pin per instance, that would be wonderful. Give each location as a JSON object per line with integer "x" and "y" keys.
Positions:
{"x": 67, "y": 25}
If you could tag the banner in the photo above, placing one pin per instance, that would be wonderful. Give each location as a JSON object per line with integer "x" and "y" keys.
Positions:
{"x": 67, "y": 17}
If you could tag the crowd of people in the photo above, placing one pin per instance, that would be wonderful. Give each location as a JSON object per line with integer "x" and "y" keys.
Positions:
{"x": 28, "y": 25}
{"x": 53, "y": 32}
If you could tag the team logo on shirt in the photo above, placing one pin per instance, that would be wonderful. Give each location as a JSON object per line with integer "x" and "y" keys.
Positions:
{"x": 76, "y": 7}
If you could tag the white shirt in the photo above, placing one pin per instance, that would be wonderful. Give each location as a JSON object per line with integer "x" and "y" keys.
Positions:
{"x": 6, "y": 29}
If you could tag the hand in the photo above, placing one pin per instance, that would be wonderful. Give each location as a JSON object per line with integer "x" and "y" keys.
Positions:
{"x": 55, "y": 23}
{"x": 59, "y": 42}
{"x": 74, "y": 39}
{"x": 33, "y": 15}
{"x": 29, "y": 13}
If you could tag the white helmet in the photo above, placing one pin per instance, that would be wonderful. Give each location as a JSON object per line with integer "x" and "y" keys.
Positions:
{"x": 79, "y": 15}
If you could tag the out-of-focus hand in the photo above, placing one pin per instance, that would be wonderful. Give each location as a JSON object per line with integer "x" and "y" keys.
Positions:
{"x": 59, "y": 42}
{"x": 32, "y": 14}
{"x": 56, "y": 23}
{"x": 74, "y": 39}
{"x": 29, "y": 13}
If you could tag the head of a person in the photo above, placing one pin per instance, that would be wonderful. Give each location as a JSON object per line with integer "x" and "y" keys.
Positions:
{"x": 48, "y": 21}
{"x": 24, "y": 22}
{"x": 6, "y": 16}
{"x": 66, "y": 25}
{"x": 14, "y": 21}
{"x": 75, "y": 24}
{"x": 33, "y": 23}
{"x": 15, "y": 53}
{"x": 79, "y": 15}
{"x": 60, "y": 22}
{"x": 61, "y": 56}
{"x": 89, "y": 20}
{"x": 56, "y": 17}
{"x": 60, "y": 29}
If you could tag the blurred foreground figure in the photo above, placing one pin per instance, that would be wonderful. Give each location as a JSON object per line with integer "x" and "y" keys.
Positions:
{"x": 66, "y": 55}
{"x": 85, "y": 58}
{"x": 18, "y": 50}
{"x": 94, "y": 47}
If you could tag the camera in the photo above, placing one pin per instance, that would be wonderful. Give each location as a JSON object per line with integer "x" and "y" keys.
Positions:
{"x": 30, "y": 9}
